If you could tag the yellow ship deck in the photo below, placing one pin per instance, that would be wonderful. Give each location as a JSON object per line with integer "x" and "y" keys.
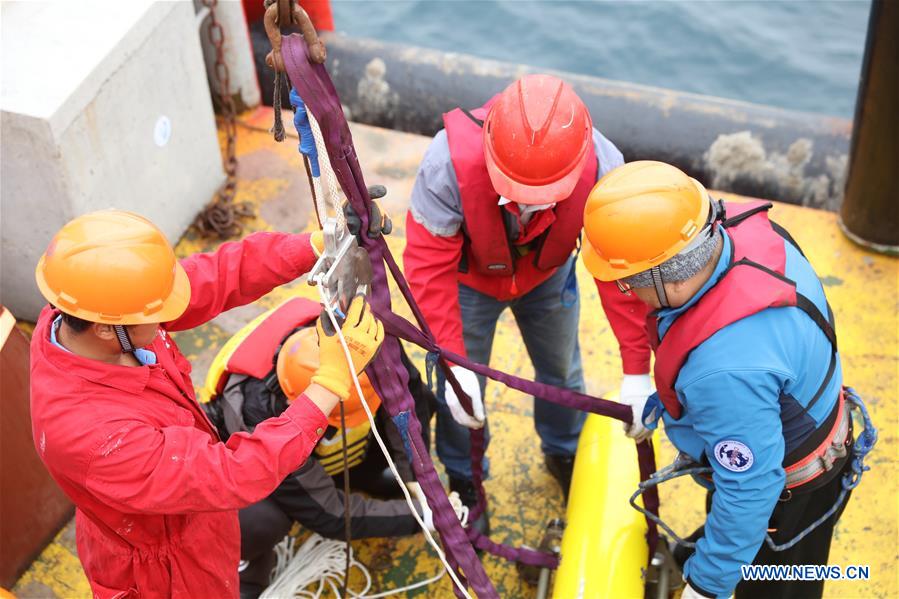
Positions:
{"x": 861, "y": 286}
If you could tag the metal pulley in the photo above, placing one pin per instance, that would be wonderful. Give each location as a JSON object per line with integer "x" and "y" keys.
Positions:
{"x": 343, "y": 270}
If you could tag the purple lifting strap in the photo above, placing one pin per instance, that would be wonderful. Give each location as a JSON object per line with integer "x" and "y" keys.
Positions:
{"x": 389, "y": 376}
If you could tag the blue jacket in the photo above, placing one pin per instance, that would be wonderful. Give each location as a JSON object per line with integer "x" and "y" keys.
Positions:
{"x": 747, "y": 386}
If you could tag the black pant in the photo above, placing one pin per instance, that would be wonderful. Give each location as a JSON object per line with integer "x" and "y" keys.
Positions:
{"x": 789, "y": 518}
{"x": 264, "y": 524}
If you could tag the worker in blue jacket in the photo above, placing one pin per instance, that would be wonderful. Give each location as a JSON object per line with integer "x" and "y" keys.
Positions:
{"x": 747, "y": 369}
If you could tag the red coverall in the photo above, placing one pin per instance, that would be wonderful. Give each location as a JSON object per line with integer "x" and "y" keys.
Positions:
{"x": 156, "y": 492}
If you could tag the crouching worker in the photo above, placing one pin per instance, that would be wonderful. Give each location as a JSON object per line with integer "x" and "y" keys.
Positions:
{"x": 259, "y": 373}
{"x": 113, "y": 410}
{"x": 747, "y": 369}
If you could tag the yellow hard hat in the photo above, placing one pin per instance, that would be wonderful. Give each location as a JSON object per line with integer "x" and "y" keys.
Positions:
{"x": 113, "y": 267}
{"x": 298, "y": 361}
{"x": 640, "y": 215}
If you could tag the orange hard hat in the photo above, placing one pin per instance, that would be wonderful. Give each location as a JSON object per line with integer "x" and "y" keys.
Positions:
{"x": 113, "y": 267}
{"x": 536, "y": 140}
{"x": 298, "y": 361}
{"x": 639, "y": 215}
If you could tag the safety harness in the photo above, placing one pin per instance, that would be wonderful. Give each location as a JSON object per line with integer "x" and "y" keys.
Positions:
{"x": 755, "y": 280}
{"x": 312, "y": 83}
{"x": 864, "y": 443}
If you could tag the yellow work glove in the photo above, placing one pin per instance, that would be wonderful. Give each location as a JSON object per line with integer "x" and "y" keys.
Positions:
{"x": 317, "y": 241}
{"x": 363, "y": 334}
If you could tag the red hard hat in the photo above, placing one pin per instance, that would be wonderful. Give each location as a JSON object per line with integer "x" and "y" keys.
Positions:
{"x": 536, "y": 140}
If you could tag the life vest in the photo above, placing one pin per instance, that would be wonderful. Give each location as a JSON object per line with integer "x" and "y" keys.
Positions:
{"x": 329, "y": 450}
{"x": 252, "y": 351}
{"x": 488, "y": 250}
{"x": 754, "y": 281}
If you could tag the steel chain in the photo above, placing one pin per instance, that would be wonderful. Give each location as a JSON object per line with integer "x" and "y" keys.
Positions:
{"x": 222, "y": 214}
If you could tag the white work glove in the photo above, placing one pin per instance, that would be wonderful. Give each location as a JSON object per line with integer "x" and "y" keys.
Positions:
{"x": 635, "y": 390}
{"x": 469, "y": 383}
{"x": 691, "y": 593}
{"x": 427, "y": 515}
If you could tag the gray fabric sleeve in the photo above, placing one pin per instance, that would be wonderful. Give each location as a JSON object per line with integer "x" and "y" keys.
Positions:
{"x": 310, "y": 497}
{"x": 435, "y": 203}
{"x": 232, "y": 405}
{"x": 609, "y": 156}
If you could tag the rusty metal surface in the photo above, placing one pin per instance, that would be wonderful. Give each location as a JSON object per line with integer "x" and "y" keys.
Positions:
{"x": 222, "y": 216}
{"x": 24, "y": 481}
{"x": 736, "y": 146}
{"x": 870, "y": 214}
{"x": 523, "y": 495}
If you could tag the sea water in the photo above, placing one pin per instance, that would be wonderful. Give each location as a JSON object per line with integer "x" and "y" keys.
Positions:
{"x": 798, "y": 54}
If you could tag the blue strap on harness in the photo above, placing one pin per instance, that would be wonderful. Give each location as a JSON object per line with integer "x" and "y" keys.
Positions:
{"x": 863, "y": 445}
{"x": 304, "y": 130}
{"x": 430, "y": 363}
{"x": 652, "y": 411}
{"x": 401, "y": 421}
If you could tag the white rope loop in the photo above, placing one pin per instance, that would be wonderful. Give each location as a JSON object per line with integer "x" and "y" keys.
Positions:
{"x": 321, "y": 560}
{"x": 380, "y": 441}
{"x": 335, "y": 198}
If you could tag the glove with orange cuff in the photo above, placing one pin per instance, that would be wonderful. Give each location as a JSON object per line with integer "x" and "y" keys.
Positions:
{"x": 363, "y": 334}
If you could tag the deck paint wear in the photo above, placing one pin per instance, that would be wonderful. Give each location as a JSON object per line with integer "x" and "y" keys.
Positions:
{"x": 861, "y": 286}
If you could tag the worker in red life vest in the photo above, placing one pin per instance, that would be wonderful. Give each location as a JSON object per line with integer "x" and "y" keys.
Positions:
{"x": 747, "y": 369}
{"x": 256, "y": 375}
{"x": 495, "y": 217}
{"x": 113, "y": 411}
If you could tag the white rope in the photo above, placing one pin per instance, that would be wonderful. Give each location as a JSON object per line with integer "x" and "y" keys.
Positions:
{"x": 349, "y": 358}
{"x": 335, "y": 198}
{"x": 320, "y": 562}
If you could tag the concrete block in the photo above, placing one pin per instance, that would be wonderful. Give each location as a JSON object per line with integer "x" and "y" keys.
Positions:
{"x": 104, "y": 104}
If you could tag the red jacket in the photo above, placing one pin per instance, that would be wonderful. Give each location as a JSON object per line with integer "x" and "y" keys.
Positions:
{"x": 431, "y": 265}
{"x": 157, "y": 492}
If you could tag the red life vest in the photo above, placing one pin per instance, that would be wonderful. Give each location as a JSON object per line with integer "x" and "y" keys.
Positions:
{"x": 488, "y": 250}
{"x": 251, "y": 350}
{"x": 754, "y": 281}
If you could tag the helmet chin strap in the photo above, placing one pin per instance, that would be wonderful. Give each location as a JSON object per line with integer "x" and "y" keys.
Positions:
{"x": 124, "y": 340}
{"x": 716, "y": 213}
{"x": 659, "y": 285}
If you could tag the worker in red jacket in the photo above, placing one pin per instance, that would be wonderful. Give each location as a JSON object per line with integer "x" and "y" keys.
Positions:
{"x": 495, "y": 217}
{"x": 113, "y": 410}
